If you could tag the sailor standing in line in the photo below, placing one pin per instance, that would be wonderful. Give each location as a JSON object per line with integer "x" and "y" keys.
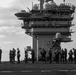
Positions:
{"x": 43, "y": 55}
{"x": 74, "y": 55}
{"x": 65, "y": 55}
{"x": 14, "y": 54}
{"x": 0, "y": 54}
{"x": 70, "y": 56}
{"x": 50, "y": 55}
{"x": 18, "y": 56}
{"x": 26, "y": 56}
{"x": 33, "y": 55}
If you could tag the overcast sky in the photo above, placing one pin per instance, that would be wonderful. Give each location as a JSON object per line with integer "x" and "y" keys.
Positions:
{"x": 11, "y": 34}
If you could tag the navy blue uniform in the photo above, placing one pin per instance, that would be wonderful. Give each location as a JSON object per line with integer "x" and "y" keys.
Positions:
{"x": 33, "y": 56}
{"x": 50, "y": 55}
{"x": 18, "y": 55}
{"x": 43, "y": 54}
{"x": 0, "y": 54}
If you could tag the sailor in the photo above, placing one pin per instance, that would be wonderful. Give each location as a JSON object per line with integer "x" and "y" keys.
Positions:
{"x": 0, "y": 54}
{"x": 11, "y": 56}
{"x": 33, "y": 56}
{"x": 18, "y": 55}
{"x": 14, "y": 54}
{"x": 50, "y": 55}
{"x": 57, "y": 56}
{"x": 62, "y": 56}
{"x": 70, "y": 56}
{"x": 65, "y": 55}
{"x": 43, "y": 55}
{"x": 74, "y": 55}
{"x": 26, "y": 56}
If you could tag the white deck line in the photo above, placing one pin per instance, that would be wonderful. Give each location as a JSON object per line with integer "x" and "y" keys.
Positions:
{"x": 63, "y": 70}
{"x": 72, "y": 70}
{"x": 26, "y": 71}
{"x": 46, "y": 70}
{"x": 6, "y": 71}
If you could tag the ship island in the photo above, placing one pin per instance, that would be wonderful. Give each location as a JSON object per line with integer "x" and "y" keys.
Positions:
{"x": 48, "y": 24}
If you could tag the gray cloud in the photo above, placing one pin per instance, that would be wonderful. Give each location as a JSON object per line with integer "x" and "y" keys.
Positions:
{"x": 7, "y": 16}
{"x": 8, "y": 13}
{"x": 2, "y": 36}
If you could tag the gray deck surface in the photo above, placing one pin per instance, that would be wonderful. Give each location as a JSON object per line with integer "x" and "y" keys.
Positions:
{"x": 37, "y": 69}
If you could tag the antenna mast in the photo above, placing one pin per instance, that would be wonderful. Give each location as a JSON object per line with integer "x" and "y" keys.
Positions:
{"x": 64, "y": 1}
{"x": 41, "y": 4}
{"x": 32, "y": 4}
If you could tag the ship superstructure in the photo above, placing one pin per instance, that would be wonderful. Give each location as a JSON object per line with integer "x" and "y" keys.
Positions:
{"x": 44, "y": 21}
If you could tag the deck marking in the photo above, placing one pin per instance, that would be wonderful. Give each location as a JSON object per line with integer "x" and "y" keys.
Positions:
{"x": 27, "y": 71}
{"x": 6, "y": 71}
{"x": 46, "y": 70}
{"x": 63, "y": 70}
{"x": 72, "y": 70}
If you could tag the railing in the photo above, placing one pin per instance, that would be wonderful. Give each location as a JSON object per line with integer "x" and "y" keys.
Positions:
{"x": 49, "y": 30}
{"x": 60, "y": 16}
{"x": 50, "y": 23}
{"x": 66, "y": 40}
{"x": 62, "y": 22}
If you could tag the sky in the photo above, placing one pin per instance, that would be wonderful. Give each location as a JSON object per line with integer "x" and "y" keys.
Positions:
{"x": 11, "y": 33}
